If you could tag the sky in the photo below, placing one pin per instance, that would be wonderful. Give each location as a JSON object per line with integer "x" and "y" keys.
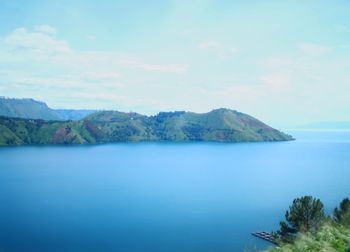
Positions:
{"x": 284, "y": 62}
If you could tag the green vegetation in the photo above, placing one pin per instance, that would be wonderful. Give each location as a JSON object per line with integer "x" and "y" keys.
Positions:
{"x": 307, "y": 229}
{"x": 305, "y": 215}
{"x": 26, "y": 108}
{"x": 32, "y": 109}
{"x": 342, "y": 214}
{"x": 222, "y": 125}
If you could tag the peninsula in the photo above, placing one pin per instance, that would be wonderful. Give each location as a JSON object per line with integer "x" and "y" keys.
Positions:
{"x": 219, "y": 125}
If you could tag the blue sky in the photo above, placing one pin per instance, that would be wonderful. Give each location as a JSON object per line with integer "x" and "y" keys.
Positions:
{"x": 285, "y": 62}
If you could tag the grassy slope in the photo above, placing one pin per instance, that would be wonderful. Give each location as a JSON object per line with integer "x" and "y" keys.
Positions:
{"x": 32, "y": 109}
{"x": 330, "y": 238}
{"x": 26, "y": 108}
{"x": 220, "y": 125}
{"x": 111, "y": 126}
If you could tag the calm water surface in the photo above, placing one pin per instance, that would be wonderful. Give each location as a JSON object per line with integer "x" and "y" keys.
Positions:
{"x": 163, "y": 197}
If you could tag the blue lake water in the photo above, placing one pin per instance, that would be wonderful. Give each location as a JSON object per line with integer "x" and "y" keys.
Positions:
{"x": 163, "y": 196}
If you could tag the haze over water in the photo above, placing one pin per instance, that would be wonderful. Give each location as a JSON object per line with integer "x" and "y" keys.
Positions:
{"x": 163, "y": 196}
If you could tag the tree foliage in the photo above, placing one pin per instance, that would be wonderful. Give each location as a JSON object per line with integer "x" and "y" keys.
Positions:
{"x": 306, "y": 214}
{"x": 342, "y": 214}
{"x": 308, "y": 229}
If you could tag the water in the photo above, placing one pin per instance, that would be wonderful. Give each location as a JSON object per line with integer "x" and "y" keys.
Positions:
{"x": 163, "y": 197}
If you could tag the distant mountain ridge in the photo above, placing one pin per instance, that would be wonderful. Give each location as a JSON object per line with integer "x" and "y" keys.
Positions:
{"x": 220, "y": 125}
{"x": 26, "y": 108}
{"x": 31, "y": 109}
{"x": 73, "y": 114}
{"x": 326, "y": 125}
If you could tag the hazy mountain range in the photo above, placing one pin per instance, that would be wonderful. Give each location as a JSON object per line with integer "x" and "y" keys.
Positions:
{"x": 222, "y": 125}
{"x": 32, "y": 109}
{"x": 325, "y": 125}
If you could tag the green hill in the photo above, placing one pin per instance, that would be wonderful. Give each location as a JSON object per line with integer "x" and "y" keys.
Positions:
{"x": 221, "y": 125}
{"x": 32, "y": 109}
{"x": 26, "y": 108}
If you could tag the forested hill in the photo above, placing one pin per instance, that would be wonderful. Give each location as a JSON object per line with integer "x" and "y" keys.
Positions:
{"x": 221, "y": 125}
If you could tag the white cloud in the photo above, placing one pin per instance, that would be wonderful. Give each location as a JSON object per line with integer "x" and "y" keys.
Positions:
{"x": 220, "y": 50}
{"x": 91, "y": 80}
{"x": 314, "y": 50}
{"x": 45, "y": 29}
{"x": 37, "y": 42}
{"x": 210, "y": 44}
{"x": 40, "y": 65}
{"x": 276, "y": 62}
{"x": 276, "y": 82}
{"x": 170, "y": 68}
{"x": 238, "y": 91}
{"x": 50, "y": 82}
{"x": 339, "y": 28}
{"x": 91, "y": 37}
{"x": 29, "y": 46}
{"x": 102, "y": 75}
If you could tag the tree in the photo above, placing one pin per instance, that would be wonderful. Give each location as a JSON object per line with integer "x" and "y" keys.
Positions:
{"x": 306, "y": 214}
{"x": 342, "y": 214}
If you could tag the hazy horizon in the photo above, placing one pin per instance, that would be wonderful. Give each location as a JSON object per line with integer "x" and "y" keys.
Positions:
{"x": 285, "y": 63}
